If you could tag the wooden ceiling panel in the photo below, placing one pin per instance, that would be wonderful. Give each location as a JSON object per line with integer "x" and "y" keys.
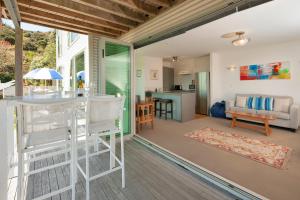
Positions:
{"x": 88, "y": 11}
{"x": 70, "y": 15}
{"x": 139, "y": 6}
{"x": 114, "y": 9}
{"x": 24, "y": 11}
{"x": 162, "y": 3}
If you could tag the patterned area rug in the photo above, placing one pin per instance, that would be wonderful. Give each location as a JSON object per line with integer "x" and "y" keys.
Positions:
{"x": 261, "y": 151}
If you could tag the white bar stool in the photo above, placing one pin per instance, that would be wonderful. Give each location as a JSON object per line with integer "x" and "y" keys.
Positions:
{"x": 104, "y": 117}
{"x": 45, "y": 127}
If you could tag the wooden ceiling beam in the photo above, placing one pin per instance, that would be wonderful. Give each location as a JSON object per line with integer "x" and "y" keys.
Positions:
{"x": 55, "y": 18}
{"x": 53, "y": 26}
{"x": 49, "y": 23}
{"x": 139, "y": 6}
{"x": 71, "y": 15}
{"x": 114, "y": 8}
{"x": 88, "y": 11}
{"x": 162, "y": 3}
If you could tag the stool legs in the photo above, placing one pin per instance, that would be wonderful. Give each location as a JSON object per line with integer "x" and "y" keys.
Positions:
{"x": 166, "y": 111}
{"x": 171, "y": 110}
{"x": 160, "y": 109}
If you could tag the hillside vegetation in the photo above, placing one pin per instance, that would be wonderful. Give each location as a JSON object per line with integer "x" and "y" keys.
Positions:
{"x": 39, "y": 51}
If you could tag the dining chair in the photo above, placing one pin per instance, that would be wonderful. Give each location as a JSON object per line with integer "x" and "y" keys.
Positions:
{"x": 104, "y": 118}
{"x": 45, "y": 129}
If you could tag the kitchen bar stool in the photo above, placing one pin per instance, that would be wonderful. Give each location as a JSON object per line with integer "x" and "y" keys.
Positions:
{"x": 45, "y": 129}
{"x": 163, "y": 108}
{"x": 104, "y": 118}
{"x": 156, "y": 103}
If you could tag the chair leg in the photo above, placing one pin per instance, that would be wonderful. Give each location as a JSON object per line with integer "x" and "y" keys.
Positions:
{"x": 87, "y": 169}
{"x": 112, "y": 150}
{"x": 20, "y": 176}
{"x": 122, "y": 160}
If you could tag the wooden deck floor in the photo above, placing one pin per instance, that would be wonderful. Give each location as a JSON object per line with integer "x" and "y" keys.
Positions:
{"x": 148, "y": 177}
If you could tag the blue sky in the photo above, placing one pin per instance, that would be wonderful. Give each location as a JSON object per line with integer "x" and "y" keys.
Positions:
{"x": 28, "y": 27}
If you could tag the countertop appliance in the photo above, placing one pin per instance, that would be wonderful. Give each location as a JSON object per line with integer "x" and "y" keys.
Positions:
{"x": 177, "y": 87}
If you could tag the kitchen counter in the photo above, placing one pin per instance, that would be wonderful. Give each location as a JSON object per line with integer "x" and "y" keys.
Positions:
{"x": 184, "y": 103}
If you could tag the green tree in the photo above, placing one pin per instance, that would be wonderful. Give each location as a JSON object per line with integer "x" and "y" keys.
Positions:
{"x": 7, "y": 63}
{"x": 7, "y": 34}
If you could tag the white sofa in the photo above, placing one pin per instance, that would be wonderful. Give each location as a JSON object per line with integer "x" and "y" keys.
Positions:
{"x": 290, "y": 119}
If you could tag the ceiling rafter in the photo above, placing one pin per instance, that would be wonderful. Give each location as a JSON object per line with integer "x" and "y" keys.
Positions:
{"x": 114, "y": 8}
{"x": 48, "y": 16}
{"x": 139, "y": 6}
{"x": 88, "y": 11}
{"x": 71, "y": 15}
{"x": 162, "y": 3}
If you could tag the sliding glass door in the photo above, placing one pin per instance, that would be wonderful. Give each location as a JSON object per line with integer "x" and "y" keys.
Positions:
{"x": 117, "y": 73}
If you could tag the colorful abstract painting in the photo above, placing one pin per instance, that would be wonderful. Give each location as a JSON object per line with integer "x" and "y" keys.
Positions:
{"x": 275, "y": 70}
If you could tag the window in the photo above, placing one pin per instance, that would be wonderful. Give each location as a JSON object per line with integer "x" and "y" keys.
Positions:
{"x": 59, "y": 44}
{"x": 72, "y": 37}
{"x": 77, "y": 76}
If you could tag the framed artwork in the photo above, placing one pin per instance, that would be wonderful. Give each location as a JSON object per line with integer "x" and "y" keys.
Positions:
{"x": 154, "y": 75}
{"x": 139, "y": 73}
{"x": 270, "y": 71}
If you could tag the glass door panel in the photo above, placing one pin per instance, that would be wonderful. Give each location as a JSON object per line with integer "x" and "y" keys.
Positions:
{"x": 118, "y": 76}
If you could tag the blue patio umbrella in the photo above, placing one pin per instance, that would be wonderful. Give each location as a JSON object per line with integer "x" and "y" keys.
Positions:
{"x": 43, "y": 74}
{"x": 80, "y": 75}
{"x": 30, "y": 74}
{"x": 47, "y": 74}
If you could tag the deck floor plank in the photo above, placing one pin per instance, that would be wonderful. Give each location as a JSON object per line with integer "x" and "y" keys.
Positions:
{"x": 148, "y": 177}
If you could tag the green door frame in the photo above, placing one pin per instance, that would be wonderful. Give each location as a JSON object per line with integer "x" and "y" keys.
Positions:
{"x": 101, "y": 72}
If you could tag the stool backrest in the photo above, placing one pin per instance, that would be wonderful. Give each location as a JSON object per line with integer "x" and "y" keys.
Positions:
{"x": 40, "y": 116}
{"x": 104, "y": 108}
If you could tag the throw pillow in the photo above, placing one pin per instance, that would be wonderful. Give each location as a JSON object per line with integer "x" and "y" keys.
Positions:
{"x": 241, "y": 101}
{"x": 269, "y": 103}
{"x": 282, "y": 105}
{"x": 254, "y": 103}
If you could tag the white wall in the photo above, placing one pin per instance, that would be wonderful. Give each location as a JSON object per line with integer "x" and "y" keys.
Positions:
{"x": 193, "y": 65}
{"x": 144, "y": 83}
{"x": 225, "y": 83}
{"x": 69, "y": 52}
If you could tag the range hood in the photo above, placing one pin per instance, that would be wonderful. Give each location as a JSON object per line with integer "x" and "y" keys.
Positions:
{"x": 184, "y": 72}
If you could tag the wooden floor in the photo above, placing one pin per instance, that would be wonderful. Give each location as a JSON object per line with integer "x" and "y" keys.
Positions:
{"x": 148, "y": 176}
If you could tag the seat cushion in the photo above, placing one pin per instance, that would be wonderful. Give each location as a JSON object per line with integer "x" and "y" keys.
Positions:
{"x": 103, "y": 126}
{"x": 46, "y": 137}
{"x": 241, "y": 101}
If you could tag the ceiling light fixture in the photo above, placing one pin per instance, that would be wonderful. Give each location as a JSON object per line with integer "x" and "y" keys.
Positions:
{"x": 174, "y": 59}
{"x": 241, "y": 40}
{"x": 232, "y": 68}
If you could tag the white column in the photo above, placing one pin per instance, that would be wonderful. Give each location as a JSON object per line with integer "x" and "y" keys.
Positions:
{"x": 19, "y": 61}
{"x": 3, "y": 150}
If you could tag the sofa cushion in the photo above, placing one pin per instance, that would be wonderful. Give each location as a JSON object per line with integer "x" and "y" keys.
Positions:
{"x": 282, "y": 105}
{"x": 241, "y": 101}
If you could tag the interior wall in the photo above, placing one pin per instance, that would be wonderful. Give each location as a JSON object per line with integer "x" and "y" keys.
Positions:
{"x": 192, "y": 65}
{"x": 144, "y": 66}
{"x": 225, "y": 83}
